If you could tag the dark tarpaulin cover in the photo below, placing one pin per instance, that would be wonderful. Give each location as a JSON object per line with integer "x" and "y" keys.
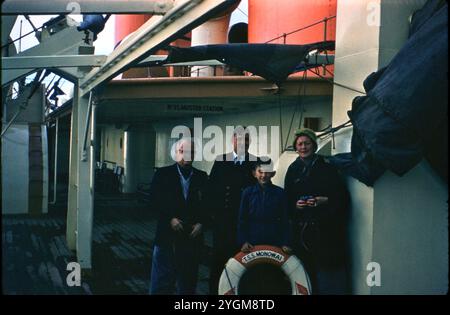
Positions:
{"x": 404, "y": 115}
{"x": 274, "y": 62}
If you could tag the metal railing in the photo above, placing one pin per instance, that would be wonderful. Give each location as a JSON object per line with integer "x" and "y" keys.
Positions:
{"x": 324, "y": 21}
{"x": 285, "y": 35}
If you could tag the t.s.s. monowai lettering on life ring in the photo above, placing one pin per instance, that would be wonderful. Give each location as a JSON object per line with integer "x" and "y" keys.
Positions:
{"x": 263, "y": 254}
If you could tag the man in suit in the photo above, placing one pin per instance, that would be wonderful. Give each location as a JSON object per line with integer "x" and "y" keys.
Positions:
{"x": 230, "y": 175}
{"x": 177, "y": 194}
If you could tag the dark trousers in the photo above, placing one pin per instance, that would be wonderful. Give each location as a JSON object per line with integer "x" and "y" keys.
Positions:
{"x": 328, "y": 276}
{"x": 224, "y": 248}
{"x": 172, "y": 273}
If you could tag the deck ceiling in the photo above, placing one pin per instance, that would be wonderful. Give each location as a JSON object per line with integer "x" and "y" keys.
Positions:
{"x": 149, "y": 100}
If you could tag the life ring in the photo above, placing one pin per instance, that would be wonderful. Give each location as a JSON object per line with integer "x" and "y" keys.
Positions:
{"x": 264, "y": 254}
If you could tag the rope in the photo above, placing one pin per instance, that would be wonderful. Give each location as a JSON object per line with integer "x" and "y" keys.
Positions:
{"x": 333, "y": 130}
{"x": 281, "y": 123}
{"x": 242, "y": 12}
{"x": 335, "y": 83}
{"x": 228, "y": 278}
{"x": 302, "y": 28}
{"x": 295, "y": 110}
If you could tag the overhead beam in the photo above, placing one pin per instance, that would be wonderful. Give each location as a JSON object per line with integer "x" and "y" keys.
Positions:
{"x": 66, "y": 42}
{"x": 155, "y": 7}
{"x": 211, "y": 87}
{"x": 37, "y": 62}
{"x": 153, "y": 35}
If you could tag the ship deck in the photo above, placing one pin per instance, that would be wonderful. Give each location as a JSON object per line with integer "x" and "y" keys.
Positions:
{"x": 35, "y": 252}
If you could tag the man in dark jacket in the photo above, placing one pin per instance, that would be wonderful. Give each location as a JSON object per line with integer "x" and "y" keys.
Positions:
{"x": 230, "y": 175}
{"x": 177, "y": 194}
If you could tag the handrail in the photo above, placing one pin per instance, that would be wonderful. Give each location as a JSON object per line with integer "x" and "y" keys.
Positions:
{"x": 325, "y": 20}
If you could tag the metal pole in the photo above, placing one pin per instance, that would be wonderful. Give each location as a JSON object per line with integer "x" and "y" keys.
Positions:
{"x": 55, "y": 177}
{"x": 92, "y": 150}
{"x": 20, "y": 36}
{"x": 325, "y": 20}
{"x": 22, "y": 106}
{"x": 32, "y": 25}
{"x": 86, "y": 130}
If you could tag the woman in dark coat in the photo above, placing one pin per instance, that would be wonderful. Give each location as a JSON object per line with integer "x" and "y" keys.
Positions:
{"x": 318, "y": 202}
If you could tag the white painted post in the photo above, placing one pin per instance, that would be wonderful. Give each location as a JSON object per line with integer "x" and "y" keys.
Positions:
{"x": 71, "y": 226}
{"x": 85, "y": 192}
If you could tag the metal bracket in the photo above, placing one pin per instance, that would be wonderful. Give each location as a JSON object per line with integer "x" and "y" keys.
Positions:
{"x": 274, "y": 89}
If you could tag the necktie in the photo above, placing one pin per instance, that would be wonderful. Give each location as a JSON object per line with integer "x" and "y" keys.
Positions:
{"x": 185, "y": 182}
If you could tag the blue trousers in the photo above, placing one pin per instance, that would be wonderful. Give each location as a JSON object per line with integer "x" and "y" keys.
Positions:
{"x": 170, "y": 273}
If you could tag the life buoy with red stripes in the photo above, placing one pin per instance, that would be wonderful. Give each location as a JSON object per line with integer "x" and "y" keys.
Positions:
{"x": 264, "y": 254}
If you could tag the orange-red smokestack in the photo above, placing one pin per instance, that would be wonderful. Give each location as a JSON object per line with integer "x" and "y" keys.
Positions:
{"x": 128, "y": 23}
{"x": 268, "y": 19}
